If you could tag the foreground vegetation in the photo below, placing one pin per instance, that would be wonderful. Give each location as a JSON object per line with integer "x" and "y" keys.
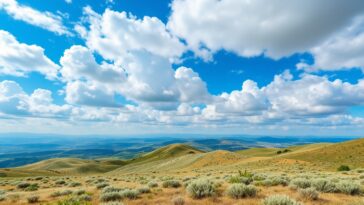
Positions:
{"x": 179, "y": 174}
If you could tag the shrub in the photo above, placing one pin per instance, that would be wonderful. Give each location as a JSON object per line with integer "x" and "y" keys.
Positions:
{"x": 23, "y": 185}
{"x": 240, "y": 179}
{"x": 110, "y": 196}
{"x": 171, "y": 183}
{"x": 101, "y": 185}
{"x": 13, "y": 197}
{"x": 323, "y": 185}
{"x": 348, "y": 187}
{"x": 178, "y": 200}
{"x": 301, "y": 183}
{"x": 80, "y": 192}
{"x": 152, "y": 184}
{"x": 33, "y": 199}
{"x": 110, "y": 189}
{"x": 56, "y": 194}
{"x": 113, "y": 203}
{"x": 85, "y": 197}
{"x": 279, "y": 200}
{"x": 32, "y": 187}
{"x": 241, "y": 191}
{"x": 75, "y": 184}
{"x": 130, "y": 193}
{"x": 343, "y": 168}
{"x": 309, "y": 193}
{"x": 201, "y": 188}
{"x": 2, "y": 197}
{"x": 60, "y": 182}
{"x": 144, "y": 190}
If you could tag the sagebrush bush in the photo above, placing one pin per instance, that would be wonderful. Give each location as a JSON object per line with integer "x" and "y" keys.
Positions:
{"x": 60, "y": 182}
{"x": 152, "y": 184}
{"x": 80, "y": 192}
{"x": 309, "y": 193}
{"x": 348, "y": 187}
{"x": 201, "y": 188}
{"x": 23, "y": 185}
{"x": 144, "y": 190}
{"x": 33, "y": 199}
{"x": 171, "y": 183}
{"x": 101, "y": 185}
{"x": 279, "y": 200}
{"x": 323, "y": 185}
{"x": 75, "y": 184}
{"x": 129, "y": 193}
{"x": 301, "y": 183}
{"x": 241, "y": 191}
{"x": 2, "y": 197}
{"x": 240, "y": 179}
{"x": 110, "y": 196}
{"x": 113, "y": 203}
{"x": 110, "y": 189}
{"x": 178, "y": 200}
{"x": 32, "y": 187}
{"x": 84, "y": 197}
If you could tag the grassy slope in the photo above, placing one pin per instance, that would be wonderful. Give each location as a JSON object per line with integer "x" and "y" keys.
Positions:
{"x": 64, "y": 166}
{"x": 331, "y": 156}
{"x": 178, "y": 157}
{"x": 170, "y": 151}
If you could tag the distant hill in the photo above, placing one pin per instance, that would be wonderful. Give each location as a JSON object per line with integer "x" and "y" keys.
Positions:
{"x": 65, "y": 166}
{"x": 182, "y": 157}
{"x": 169, "y": 151}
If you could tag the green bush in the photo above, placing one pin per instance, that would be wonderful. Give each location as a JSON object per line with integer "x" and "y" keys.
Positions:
{"x": 348, "y": 187}
{"x": 240, "y": 179}
{"x": 201, "y": 188}
{"x": 32, "y": 187}
{"x": 144, "y": 190}
{"x": 279, "y": 200}
{"x": 323, "y": 185}
{"x": 301, "y": 183}
{"x": 343, "y": 168}
{"x": 23, "y": 185}
{"x": 178, "y": 200}
{"x": 152, "y": 184}
{"x": 309, "y": 193}
{"x": 110, "y": 196}
{"x": 101, "y": 185}
{"x": 33, "y": 199}
{"x": 113, "y": 203}
{"x": 171, "y": 183}
{"x": 241, "y": 191}
{"x": 129, "y": 193}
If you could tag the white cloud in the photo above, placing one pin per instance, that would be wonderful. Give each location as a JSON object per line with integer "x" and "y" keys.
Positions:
{"x": 249, "y": 28}
{"x": 14, "y": 101}
{"x": 18, "y": 59}
{"x": 87, "y": 93}
{"x": 313, "y": 95}
{"x": 45, "y": 20}
{"x": 114, "y": 34}
{"x": 68, "y": 1}
{"x": 342, "y": 51}
{"x": 249, "y": 101}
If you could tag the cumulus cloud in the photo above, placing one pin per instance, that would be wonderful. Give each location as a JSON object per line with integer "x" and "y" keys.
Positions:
{"x": 312, "y": 95}
{"x": 342, "y": 51}
{"x": 18, "y": 59}
{"x": 14, "y": 101}
{"x": 250, "y": 28}
{"x": 113, "y": 34}
{"x": 45, "y": 20}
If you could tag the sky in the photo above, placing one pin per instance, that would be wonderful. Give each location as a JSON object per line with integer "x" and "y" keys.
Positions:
{"x": 119, "y": 67}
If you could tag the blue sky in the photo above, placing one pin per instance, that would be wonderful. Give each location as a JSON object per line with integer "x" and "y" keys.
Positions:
{"x": 230, "y": 66}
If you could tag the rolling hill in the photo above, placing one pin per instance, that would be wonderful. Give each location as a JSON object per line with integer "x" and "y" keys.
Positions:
{"x": 181, "y": 157}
